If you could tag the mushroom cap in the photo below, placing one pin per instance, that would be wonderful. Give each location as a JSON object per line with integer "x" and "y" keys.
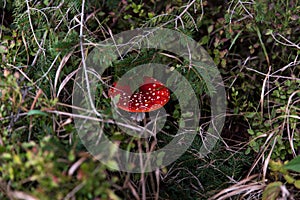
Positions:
{"x": 151, "y": 96}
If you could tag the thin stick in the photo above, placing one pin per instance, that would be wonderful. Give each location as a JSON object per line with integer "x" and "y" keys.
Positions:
{"x": 83, "y": 61}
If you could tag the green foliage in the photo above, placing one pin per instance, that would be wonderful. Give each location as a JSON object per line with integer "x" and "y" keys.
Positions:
{"x": 279, "y": 169}
{"x": 254, "y": 44}
{"x": 30, "y": 168}
{"x": 272, "y": 191}
{"x": 10, "y": 93}
{"x": 281, "y": 111}
{"x": 196, "y": 172}
{"x": 282, "y": 172}
{"x": 293, "y": 165}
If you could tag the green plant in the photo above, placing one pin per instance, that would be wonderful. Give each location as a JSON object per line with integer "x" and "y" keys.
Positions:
{"x": 279, "y": 169}
{"x": 254, "y": 44}
{"x": 279, "y": 122}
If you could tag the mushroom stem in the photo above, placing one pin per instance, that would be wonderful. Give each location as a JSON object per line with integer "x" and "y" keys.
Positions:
{"x": 139, "y": 116}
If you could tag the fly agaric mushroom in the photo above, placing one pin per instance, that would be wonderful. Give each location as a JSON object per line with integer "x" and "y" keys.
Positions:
{"x": 151, "y": 96}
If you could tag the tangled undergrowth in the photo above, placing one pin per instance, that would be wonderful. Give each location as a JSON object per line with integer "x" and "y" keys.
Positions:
{"x": 256, "y": 47}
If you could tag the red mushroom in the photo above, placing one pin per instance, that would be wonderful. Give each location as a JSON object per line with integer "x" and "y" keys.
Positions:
{"x": 151, "y": 96}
